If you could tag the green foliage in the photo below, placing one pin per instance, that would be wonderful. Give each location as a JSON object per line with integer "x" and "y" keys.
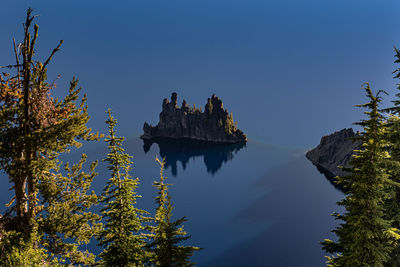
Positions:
{"x": 166, "y": 234}
{"x": 122, "y": 239}
{"x": 393, "y": 136}
{"x": 34, "y": 129}
{"x": 366, "y": 237}
{"x": 65, "y": 218}
{"x": 392, "y": 205}
{"x": 396, "y": 102}
{"x": 17, "y": 252}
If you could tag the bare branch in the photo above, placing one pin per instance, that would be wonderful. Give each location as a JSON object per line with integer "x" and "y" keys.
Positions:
{"x": 48, "y": 60}
{"x": 10, "y": 66}
{"x": 52, "y": 54}
{"x": 17, "y": 61}
{"x": 35, "y": 35}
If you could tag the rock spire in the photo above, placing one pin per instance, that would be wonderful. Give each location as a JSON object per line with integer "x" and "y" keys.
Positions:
{"x": 215, "y": 124}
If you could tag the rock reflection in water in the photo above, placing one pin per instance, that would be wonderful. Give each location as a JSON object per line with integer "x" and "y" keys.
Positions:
{"x": 174, "y": 150}
{"x": 331, "y": 178}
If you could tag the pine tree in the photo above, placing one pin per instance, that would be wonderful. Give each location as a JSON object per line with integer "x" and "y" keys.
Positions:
{"x": 64, "y": 221}
{"x": 365, "y": 238}
{"x": 122, "y": 239}
{"x": 15, "y": 252}
{"x": 392, "y": 204}
{"x": 393, "y": 137}
{"x": 34, "y": 129}
{"x": 166, "y": 234}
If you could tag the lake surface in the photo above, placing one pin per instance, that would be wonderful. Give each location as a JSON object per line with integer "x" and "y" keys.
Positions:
{"x": 253, "y": 205}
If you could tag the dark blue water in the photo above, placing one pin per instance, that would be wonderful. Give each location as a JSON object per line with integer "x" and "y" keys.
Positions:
{"x": 253, "y": 205}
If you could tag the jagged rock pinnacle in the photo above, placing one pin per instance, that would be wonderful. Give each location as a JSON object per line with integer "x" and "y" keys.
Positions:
{"x": 213, "y": 125}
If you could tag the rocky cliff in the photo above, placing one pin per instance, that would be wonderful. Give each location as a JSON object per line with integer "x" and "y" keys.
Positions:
{"x": 334, "y": 150}
{"x": 215, "y": 124}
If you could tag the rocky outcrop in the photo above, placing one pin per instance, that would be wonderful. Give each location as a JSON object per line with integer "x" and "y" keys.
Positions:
{"x": 334, "y": 150}
{"x": 215, "y": 124}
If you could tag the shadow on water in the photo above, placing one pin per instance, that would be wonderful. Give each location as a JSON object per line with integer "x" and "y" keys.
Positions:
{"x": 287, "y": 220}
{"x": 331, "y": 178}
{"x": 173, "y": 150}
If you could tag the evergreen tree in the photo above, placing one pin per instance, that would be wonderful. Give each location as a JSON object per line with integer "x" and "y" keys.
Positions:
{"x": 393, "y": 137}
{"x": 16, "y": 252}
{"x": 166, "y": 234}
{"x": 121, "y": 237}
{"x": 365, "y": 238}
{"x": 64, "y": 221}
{"x": 392, "y": 204}
{"x": 34, "y": 129}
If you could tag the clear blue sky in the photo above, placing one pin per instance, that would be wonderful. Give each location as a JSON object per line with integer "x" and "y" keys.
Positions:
{"x": 289, "y": 70}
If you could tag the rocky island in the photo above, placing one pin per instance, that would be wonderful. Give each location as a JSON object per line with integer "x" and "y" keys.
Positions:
{"x": 334, "y": 150}
{"x": 214, "y": 125}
